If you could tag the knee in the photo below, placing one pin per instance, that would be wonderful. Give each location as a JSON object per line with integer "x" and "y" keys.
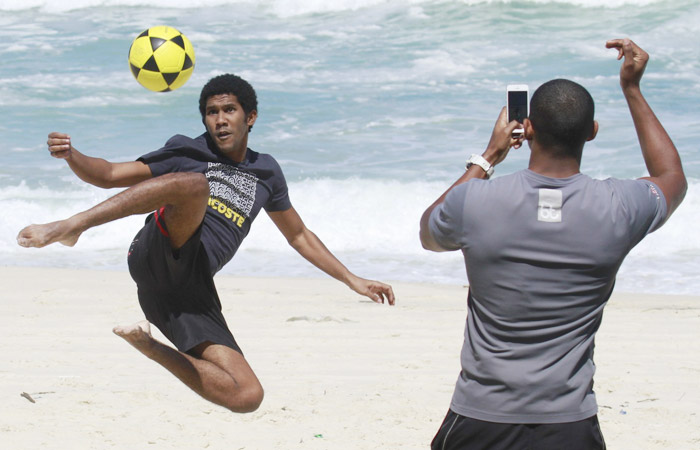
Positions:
{"x": 247, "y": 400}
{"x": 186, "y": 183}
{"x": 195, "y": 184}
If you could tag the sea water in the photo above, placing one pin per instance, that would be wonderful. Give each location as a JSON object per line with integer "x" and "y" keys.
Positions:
{"x": 370, "y": 106}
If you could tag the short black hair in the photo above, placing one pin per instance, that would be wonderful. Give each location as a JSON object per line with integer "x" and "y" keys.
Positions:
{"x": 561, "y": 112}
{"x": 229, "y": 83}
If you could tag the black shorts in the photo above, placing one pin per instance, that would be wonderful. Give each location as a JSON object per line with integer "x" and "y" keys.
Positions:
{"x": 464, "y": 433}
{"x": 175, "y": 288}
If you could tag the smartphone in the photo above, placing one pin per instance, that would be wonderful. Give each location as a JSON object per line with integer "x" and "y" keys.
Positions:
{"x": 517, "y": 100}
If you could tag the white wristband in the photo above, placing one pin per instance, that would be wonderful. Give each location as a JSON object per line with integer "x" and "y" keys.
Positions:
{"x": 481, "y": 162}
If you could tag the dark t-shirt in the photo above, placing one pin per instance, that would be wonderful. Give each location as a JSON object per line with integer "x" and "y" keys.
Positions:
{"x": 237, "y": 191}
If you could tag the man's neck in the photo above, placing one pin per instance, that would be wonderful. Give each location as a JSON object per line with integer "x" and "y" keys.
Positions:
{"x": 237, "y": 156}
{"x": 554, "y": 167}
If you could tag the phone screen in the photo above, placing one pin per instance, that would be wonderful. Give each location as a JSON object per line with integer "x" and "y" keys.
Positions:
{"x": 517, "y": 105}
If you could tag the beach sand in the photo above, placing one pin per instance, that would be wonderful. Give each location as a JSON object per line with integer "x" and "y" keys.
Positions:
{"x": 339, "y": 372}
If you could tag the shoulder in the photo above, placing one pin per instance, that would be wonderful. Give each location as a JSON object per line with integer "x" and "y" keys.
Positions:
{"x": 510, "y": 178}
{"x": 631, "y": 184}
{"x": 262, "y": 158}
{"x": 634, "y": 190}
{"x": 263, "y": 161}
{"x": 639, "y": 200}
{"x": 480, "y": 187}
{"x": 507, "y": 183}
{"x": 180, "y": 153}
{"x": 180, "y": 141}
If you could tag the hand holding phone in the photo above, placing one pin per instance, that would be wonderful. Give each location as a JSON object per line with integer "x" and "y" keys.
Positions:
{"x": 517, "y": 101}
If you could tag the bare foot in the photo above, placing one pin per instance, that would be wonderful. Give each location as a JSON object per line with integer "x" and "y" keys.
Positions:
{"x": 138, "y": 335}
{"x": 48, "y": 233}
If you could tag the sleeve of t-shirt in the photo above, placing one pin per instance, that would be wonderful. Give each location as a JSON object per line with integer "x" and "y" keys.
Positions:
{"x": 279, "y": 198}
{"x": 446, "y": 220}
{"x": 644, "y": 206}
{"x": 174, "y": 156}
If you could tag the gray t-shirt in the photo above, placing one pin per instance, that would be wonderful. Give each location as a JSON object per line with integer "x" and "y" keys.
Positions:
{"x": 541, "y": 255}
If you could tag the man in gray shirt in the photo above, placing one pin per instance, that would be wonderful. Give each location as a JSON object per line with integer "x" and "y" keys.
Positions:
{"x": 542, "y": 248}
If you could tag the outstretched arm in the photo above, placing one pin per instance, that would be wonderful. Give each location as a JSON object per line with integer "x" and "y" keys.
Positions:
{"x": 660, "y": 155}
{"x": 97, "y": 171}
{"x": 501, "y": 141}
{"x": 310, "y": 247}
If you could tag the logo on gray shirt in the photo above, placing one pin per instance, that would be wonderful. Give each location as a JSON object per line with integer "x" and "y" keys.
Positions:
{"x": 549, "y": 206}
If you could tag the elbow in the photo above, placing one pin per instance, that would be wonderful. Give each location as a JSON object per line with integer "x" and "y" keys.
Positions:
{"x": 100, "y": 182}
{"x": 433, "y": 247}
{"x": 674, "y": 187}
{"x": 429, "y": 247}
{"x": 682, "y": 190}
{"x": 684, "y": 187}
{"x": 428, "y": 242}
{"x": 104, "y": 179}
{"x": 681, "y": 185}
{"x": 294, "y": 243}
{"x": 104, "y": 184}
{"x": 298, "y": 240}
{"x": 425, "y": 244}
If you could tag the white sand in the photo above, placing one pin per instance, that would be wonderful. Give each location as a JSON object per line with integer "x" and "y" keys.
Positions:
{"x": 339, "y": 372}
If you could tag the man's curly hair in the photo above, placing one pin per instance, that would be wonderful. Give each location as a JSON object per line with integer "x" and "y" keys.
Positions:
{"x": 229, "y": 84}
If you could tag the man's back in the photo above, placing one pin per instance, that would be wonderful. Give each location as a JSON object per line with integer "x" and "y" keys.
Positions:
{"x": 542, "y": 248}
{"x": 541, "y": 255}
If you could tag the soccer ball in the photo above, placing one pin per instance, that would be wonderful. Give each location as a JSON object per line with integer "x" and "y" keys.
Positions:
{"x": 161, "y": 59}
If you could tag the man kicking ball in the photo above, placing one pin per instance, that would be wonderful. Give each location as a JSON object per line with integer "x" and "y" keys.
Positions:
{"x": 202, "y": 195}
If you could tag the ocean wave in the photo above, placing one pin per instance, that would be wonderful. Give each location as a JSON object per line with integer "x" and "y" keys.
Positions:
{"x": 370, "y": 224}
{"x": 285, "y": 8}
{"x": 371, "y": 107}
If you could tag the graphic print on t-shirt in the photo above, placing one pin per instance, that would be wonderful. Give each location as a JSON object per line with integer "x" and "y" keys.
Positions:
{"x": 549, "y": 206}
{"x": 231, "y": 191}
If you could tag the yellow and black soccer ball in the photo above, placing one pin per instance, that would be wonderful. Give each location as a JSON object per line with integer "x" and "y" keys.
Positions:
{"x": 161, "y": 59}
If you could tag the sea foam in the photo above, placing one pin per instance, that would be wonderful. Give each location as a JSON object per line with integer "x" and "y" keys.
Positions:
{"x": 371, "y": 225}
{"x": 282, "y": 8}
{"x": 371, "y": 108}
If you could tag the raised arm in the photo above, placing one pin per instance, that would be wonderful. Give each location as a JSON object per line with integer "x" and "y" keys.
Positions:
{"x": 97, "y": 171}
{"x": 312, "y": 249}
{"x": 660, "y": 155}
{"x": 496, "y": 151}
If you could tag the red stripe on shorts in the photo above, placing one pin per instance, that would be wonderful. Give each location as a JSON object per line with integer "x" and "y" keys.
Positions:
{"x": 158, "y": 215}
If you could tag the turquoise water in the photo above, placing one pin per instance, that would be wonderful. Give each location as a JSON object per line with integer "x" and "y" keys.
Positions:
{"x": 370, "y": 106}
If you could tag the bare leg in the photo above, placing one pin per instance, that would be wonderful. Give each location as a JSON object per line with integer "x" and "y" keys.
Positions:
{"x": 218, "y": 373}
{"x": 183, "y": 194}
{"x": 221, "y": 374}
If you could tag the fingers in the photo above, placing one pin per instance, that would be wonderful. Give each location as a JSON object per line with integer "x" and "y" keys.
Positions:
{"x": 502, "y": 117}
{"x": 618, "y": 44}
{"x": 379, "y": 292}
{"x": 634, "y": 63}
{"x": 59, "y": 145}
{"x": 389, "y": 293}
{"x": 512, "y": 125}
{"x": 502, "y": 122}
{"x": 628, "y": 49}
